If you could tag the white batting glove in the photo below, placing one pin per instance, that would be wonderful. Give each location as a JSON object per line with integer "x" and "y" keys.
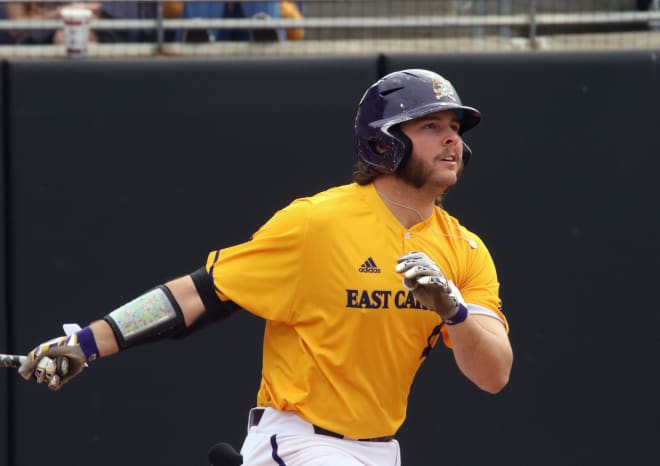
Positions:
{"x": 419, "y": 261}
{"x": 431, "y": 287}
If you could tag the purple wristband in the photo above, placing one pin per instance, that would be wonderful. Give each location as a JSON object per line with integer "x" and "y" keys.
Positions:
{"x": 87, "y": 344}
{"x": 460, "y": 316}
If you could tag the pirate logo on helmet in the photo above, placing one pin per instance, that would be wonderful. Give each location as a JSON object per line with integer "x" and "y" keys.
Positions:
{"x": 443, "y": 88}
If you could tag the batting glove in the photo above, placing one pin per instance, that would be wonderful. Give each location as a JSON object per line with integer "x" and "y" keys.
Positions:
{"x": 59, "y": 360}
{"x": 431, "y": 287}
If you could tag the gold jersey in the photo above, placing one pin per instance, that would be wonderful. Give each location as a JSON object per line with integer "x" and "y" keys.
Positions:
{"x": 343, "y": 338}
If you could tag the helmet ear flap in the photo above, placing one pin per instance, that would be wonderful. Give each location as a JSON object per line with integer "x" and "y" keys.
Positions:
{"x": 376, "y": 147}
{"x": 405, "y": 141}
{"x": 385, "y": 150}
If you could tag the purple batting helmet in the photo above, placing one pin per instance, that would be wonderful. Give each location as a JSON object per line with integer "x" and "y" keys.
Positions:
{"x": 398, "y": 97}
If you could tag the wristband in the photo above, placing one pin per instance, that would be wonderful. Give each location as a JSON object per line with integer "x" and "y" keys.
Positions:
{"x": 87, "y": 344}
{"x": 460, "y": 315}
{"x": 82, "y": 339}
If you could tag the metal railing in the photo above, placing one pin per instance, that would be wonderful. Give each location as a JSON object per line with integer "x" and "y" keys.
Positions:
{"x": 527, "y": 24}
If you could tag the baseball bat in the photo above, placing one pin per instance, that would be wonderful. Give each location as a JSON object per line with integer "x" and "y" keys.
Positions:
{"x": 14, "y": 361}
{"x": 11, "y": 360}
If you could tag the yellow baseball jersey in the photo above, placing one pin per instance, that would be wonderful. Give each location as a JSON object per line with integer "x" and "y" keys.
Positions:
{"x": 343, "y": 338}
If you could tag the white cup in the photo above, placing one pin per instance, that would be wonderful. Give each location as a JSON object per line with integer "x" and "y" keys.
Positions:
{"x": 76, "y": 30}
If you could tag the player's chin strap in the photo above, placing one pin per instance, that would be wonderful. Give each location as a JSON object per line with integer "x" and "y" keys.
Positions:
{"x": 156, "y": 314}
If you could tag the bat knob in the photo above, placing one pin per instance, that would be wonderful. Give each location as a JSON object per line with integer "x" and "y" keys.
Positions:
{"x": 62, "y": 365}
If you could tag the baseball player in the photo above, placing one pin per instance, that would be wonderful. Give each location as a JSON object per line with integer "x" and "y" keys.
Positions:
{"x": 357, "y": 285}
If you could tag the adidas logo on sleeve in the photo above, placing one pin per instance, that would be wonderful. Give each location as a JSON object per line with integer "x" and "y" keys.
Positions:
{"x": 369, "y": 266}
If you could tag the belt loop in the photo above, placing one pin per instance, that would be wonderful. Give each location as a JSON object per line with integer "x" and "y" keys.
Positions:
{"x": 254, "y": 417}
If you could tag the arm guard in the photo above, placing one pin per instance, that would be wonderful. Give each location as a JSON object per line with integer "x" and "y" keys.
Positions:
{"x": 156, "y": 314}
{"x": 148, "y": 317}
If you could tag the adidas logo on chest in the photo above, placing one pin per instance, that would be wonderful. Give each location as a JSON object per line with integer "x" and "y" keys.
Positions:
{"x": 369, "y": 266}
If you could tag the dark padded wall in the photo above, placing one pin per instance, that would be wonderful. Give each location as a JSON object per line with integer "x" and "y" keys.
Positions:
{"x": 5, "y": 449}
{"x": 563, "y": 188}
{"x": 125, "y": 174}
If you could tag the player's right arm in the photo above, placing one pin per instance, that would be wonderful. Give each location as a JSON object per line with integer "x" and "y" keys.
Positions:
{"x": 175, "y": 309}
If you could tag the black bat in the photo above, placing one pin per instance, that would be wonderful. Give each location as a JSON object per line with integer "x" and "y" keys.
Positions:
{"x": 15, "y": 361}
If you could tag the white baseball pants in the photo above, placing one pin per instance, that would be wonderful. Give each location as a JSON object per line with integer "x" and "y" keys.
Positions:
{"x": 284, "y": 439}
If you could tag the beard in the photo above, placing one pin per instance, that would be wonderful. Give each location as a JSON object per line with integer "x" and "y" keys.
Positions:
{"x": 416, "y": 174}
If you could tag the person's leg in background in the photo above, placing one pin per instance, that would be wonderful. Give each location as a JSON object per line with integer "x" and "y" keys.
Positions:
{"x": 204, "y": 10}
{"x": 259, "y": 9}
{"x": 234, "y": 10}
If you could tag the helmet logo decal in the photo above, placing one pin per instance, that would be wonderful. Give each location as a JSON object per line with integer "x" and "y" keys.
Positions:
{"x": 442, "y": 89}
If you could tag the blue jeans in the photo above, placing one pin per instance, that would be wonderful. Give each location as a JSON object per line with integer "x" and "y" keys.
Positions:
{"x": 240, "y": 10}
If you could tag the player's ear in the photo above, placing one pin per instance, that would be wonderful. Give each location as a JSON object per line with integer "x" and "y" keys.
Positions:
{"x": 379, "y": 148}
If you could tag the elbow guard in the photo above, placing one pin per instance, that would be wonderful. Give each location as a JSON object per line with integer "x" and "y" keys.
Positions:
{"x": 151, "y": 316}
{"x": 215, "y": 309}
{"x": 206, "y": 289}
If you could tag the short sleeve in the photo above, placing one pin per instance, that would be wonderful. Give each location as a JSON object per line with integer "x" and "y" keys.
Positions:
{"x": 479, "y": 284}
{"x": 262, "y": 275}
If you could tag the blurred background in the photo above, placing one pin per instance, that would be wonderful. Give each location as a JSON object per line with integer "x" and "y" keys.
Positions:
{"x": 183, "y": 126}
{"x": 330, "y": 27}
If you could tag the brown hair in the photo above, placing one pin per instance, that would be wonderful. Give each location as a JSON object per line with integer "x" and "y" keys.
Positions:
{"x": 363, "y": 173}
